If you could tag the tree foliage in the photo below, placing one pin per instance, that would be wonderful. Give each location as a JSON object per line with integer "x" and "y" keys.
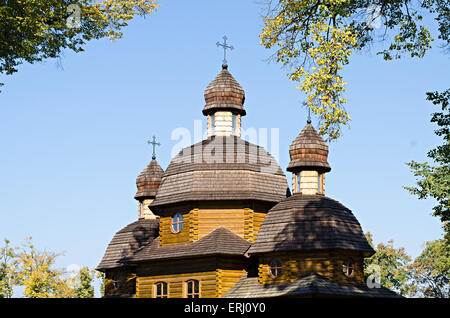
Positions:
{"x": 34, "y": 270}
{"x": 33, "y": 30}
{"x": 315, "y": 39}
{"x": 8, "y": 266}
{"x": 37, "y": 275}
{"x": 431, "y": 271}
{"x": 83, "y": 287}
{"x": 434, "y": 180}
{"x": 393, "y": 263}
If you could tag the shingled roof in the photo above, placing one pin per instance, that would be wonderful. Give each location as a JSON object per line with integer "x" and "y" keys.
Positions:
{"x": 221, "y": 241}
{"x": 126, "y": 241}
{"x": 224, "y": 93}
{"x": 308, "y": 150}
{"x": 222, "y": 168}
{"x": 312, "y": 284}
{"x": 149, "y": 180}
{"x": 310, "y": 222}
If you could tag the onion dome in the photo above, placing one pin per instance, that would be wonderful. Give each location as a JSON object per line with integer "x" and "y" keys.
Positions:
{"x": 310, "y": 222}
{"x": 308, "y": 151}
{"x": 224, "y": 93}
{"x": 222, "y": 168}
{"x": 149, "y": 180}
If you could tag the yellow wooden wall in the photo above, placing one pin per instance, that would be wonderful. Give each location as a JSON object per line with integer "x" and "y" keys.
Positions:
{"x": 213, "y": 284}
{"x": 188, "y": 233}
{"x": 227, "y": 279}
{"x": 199, "y": 222}
{"x": 327, "y": 264}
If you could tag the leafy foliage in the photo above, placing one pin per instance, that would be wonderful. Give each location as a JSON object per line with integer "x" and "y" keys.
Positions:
{"x": 83, "y": 287}
{"x": 33, "y": 30}
{"x": 431, "y": 271}
{"x": 393, "y": 264}
{"x": 36, "y": 274}
{"x": 434, "y": 181}
{"x": 316, "y": 38}
{"x": 7, "y": 270}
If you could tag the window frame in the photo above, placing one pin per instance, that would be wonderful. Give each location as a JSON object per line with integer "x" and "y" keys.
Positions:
{"x": 162, "y": 295}
{"x": 178, "y": 223}
{"x": 193, "y": 294}
{"x": 347, "y": 265}
{"x": 278, "y": 269}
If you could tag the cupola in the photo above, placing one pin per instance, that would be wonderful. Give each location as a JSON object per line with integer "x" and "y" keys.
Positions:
{"x": 308, "y": 153}
{"x": 224, "y": 107}
{"x": 147, "y": 184}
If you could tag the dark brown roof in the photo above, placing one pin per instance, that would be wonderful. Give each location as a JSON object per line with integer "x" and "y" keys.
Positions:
{"x": 222, "y": 168}
{"x": 126, "y": 241}
{"x": 310, "y": 222}
{"x": 308, "y": 150}
{"x": 149, "y": 180}
{"x": 224, "y": 93}
{"x": 221, "y": 241}
{"x": 312, "y": 284}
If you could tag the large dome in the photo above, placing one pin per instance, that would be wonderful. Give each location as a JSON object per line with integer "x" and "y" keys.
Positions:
{"x": 310, "y": 222}
{"x": 222, "y": 168}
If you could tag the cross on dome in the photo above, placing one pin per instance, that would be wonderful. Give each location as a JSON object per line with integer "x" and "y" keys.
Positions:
{"x": 154, "y": 144}
{"x": 225, "y": 47}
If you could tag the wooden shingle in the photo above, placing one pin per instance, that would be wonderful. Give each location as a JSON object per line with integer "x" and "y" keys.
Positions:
{"x": 127, "y": 241}
{"x": 312, "y": 285}
{"x": 310, "y": 222}
{"x": 222, "y": 168}
{"x": 221, "y": 241}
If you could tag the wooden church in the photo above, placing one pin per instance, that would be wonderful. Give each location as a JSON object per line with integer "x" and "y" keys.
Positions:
{"x": 221, "y": 221}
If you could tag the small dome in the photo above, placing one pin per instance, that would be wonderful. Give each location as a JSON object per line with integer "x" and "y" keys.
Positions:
{"x": 224, "y": 93}
{"x": 308, "y": 150}
{"x": 149, "y": 180}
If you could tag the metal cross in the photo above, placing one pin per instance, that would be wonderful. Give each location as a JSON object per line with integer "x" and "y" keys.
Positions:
{"x": 309, "y": 112}
{"x": 154, "y": 144}
{"x": 225, "y": 47}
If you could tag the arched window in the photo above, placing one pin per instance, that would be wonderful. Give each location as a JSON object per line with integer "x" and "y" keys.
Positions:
{"x": 298, "y": 181}
{"x": 193, "y": 289}
{"x": 213, "y": 124}
{"x": 161, "y": 290}
{"x": 177, "y": 223}
{"x": 275, "y": 268}
{"x": 348, "y": 268}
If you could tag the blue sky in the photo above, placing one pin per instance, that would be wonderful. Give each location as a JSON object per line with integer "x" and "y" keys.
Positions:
{"x": 73, "y": 133}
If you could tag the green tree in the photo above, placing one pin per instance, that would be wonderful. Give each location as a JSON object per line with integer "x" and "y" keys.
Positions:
{"x": 34, "y": 30}
{"x": 315, "y": 39}
{"x": 83, "y": 287}
{"x": 431, "y": 271}
{"x": 102, "y": 277}
{"x": 37, "y": 275}
{"x": 434, "y": 180}
{"x": 393, "y": 264}
{"x": 8, "y": 270}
